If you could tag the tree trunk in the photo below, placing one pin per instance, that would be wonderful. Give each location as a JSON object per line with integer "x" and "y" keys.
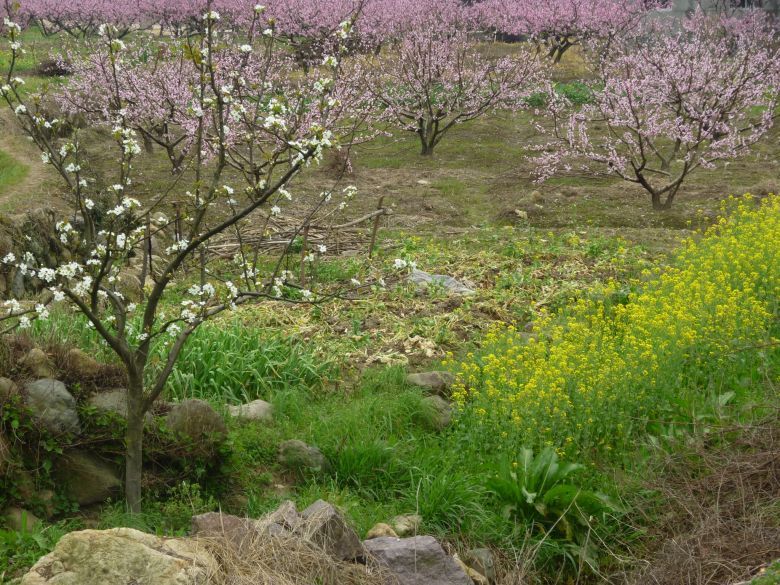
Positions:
{"x": 427, "y": 149}
{"x": 134, "y": 446}
{"x": 659, "y": 205}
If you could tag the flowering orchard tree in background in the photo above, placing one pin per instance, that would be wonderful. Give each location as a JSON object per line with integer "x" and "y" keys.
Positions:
{"x": 666, "y": 105}
{"x": 236, "y": 127}
{"x": 436, "y": 77}
{"x": 558, "y": 25}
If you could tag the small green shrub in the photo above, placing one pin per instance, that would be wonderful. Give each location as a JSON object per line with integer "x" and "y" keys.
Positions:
{"x": 20, "y": 550}
{"x": 538, "y": 491}
{"x": 167, "y": 513}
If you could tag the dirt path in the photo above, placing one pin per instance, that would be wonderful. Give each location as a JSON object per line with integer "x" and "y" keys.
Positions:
{"x": 36, "y": 188}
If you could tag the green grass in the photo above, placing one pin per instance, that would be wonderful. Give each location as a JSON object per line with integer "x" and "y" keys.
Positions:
{"x": 19, "y": 550}
{"x": 12, "y": 172}
{"x": 234, "y": 365}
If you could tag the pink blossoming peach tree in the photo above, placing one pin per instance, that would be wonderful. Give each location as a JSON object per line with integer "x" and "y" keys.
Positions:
{"x": 666, "y": 105}
{"x": 435, "y": 77}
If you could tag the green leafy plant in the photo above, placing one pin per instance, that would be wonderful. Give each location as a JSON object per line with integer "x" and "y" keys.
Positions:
{"x": 538, "y": 491}
{"x": 20, "y": 550}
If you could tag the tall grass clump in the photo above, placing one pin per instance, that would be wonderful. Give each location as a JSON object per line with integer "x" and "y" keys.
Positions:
{"x": 234, "y": 364}
{"x": 591, "y": 378}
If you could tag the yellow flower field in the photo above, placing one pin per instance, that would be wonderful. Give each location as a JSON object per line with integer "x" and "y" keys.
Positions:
{"x": 589, "y": 378}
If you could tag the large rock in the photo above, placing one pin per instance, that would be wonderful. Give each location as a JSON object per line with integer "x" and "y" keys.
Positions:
{"x": 417, "y": 561}
{"x": 438, "y": 412}
{"x": 299, "y": 456}
{"x": 123, "y": 556}
{"x": 450, "y": 285}
{"x": 114, "y": 401}
{"x": 322, "y": 524}
{"x": 435, "y": 382}
{"x": 38, "y": 363}
{"x": 86, "y": 478}
{"x": 7, "y": 389}
{"x": 52, "y": 406}
{"x": 195, "y": 420}
{"x": 81, "y": 364}
{"x": 257, "y": 410}
{"x": 238, "y": 531}
{"x": 20, "y": 520}
{"x": 130, "y": 284}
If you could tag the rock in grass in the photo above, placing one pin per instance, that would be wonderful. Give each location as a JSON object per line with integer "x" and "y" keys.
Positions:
{"x": 299, "y": 456}
{"x": 435, "y": 382}
{"x": 52, "y": 406}
{"x": 324, "y": 525}
{"x": 81, "y": 364}
{"x": 285, "y": 516}
{"x": 450, "y": 285}
{"x": 123, "y": 555}
{"x": 237, "y": 531}
{"x": 38, "y": 363}
{"x": 114, "y": 401}
{"x": 20, "y": 520}
{"x": 407, "y": 524}
{"x": 417, "y": 561}
{"x": 7, "y": 389}
{"x": 476, "y": 577}
{"x": 380, "y": 530}
{"x": 437, "y": 411}
{"x": 86, "y": 478}
{"x": 257, "y": 410}
{"x": 196, "y": 421}
{"x": 482, "y": 560}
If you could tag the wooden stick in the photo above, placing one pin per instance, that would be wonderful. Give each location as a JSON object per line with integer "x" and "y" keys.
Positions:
{"x": 303, "y": 254}
{"x": 376, "y": 226}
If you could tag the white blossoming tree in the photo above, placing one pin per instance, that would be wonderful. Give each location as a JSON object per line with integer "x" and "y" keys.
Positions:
{"x": 235, "y": 125}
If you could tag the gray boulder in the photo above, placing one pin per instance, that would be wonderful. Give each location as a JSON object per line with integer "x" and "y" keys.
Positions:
{"x": 113, "y": 401}
{"x": 38, "y": 363}
{"x": 52, "y": 406}
{"x": 257, "y": 410}
{"x": 417, "y": 561}
{"x": 450, "y": 285}
{"x": 438, "y": 412}
{"x": 299, "y": 456}
{"x": 86, "y": 478}
{"x": 322, "y": 524}
{"x": 124, "y": 556}
{"x": 435, "y": 382}
{"x": 196, "y": 421}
